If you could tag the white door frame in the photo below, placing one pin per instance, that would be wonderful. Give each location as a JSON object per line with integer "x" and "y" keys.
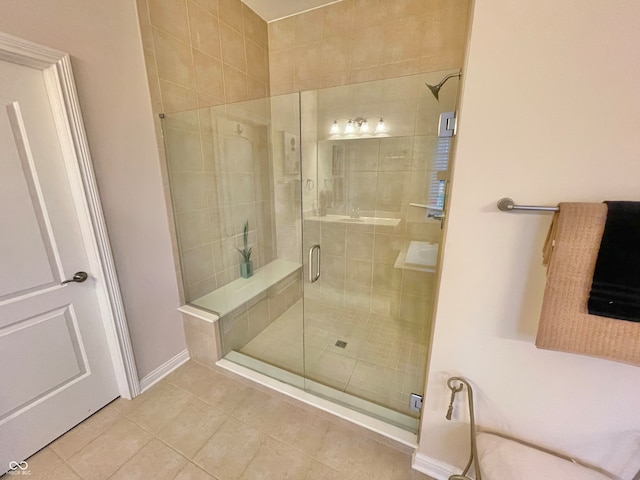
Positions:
{"x": 58, "y": 77}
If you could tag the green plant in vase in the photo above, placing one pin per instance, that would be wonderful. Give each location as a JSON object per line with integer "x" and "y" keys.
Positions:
{"x": 246, "y": 266}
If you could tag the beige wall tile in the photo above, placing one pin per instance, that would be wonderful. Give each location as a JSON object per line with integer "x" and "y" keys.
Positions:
{"x": 235, "y": 84}
{"x": 308, "y": 27}
{"x": 365, "y": 47}
{"x": 209, "y": 75}
{"x": 255, "y": 28}
{"x": 282, "y": 34}
{"x": 257, "y": 61}
{"x": 210, "y": 6}
{"x": 230, "y": 12}
{"x": 170, "y": 16}
{"x": 308, "y": 61}
{"x": 197, "y": 264}
{"x": 256, "y": 88}
{"x": 204, "y": 30}
{"x": 338, "y": 19}
{"x": 153, "y": 80}
{"x": 173, "y": 58}
{"x": 367, "y": 40}
{"x": 360, "y": 245}
{"x": 333, "y": 239}
{"x": 402, "y": 41}
{"x": 335, "y": 54}
{"x": 387, "y": 248}
{"x": 282, "y": 67}
{"x": 359, "y": 272}
{"x": 233, "y": 52}
{"x": 142, "y": 6}
{"x": 387, "y": 277}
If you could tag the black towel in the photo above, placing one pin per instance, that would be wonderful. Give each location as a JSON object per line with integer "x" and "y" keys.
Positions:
{"x": 615, "y": 291}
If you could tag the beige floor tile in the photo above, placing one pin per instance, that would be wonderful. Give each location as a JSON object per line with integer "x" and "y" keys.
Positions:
{"x": 61, "y": 472}
{"x": 300, "y": 429}
{"x": 275, "y": 460}
{"x": 77, "y": 438}
{"x": 386, "y": 463}
{"x": 189, "y": 431}
{"x": 41, "y": 464}
{"x": 192, "y": 377}
{"x": 345, "y": 450}
{"x": 320, "y": 471}
{"x": 193, "y": 472}
{"x": 260, "y": 410}
{"x": 155, "y": 461}
{"x": 224, "y": 393}
{"x": 162, "y": 405}
{"x": 103, "y": 456}
{"x": 228, "y": 452}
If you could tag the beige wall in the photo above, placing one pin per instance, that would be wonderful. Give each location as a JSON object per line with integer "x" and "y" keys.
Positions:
{"x": 549, "y": 114}
{"x": 354, "y": 41}
{"x": 103, "y": 39}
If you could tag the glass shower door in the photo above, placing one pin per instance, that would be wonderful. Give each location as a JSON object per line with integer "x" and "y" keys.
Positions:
{"x": 372, "y": 203}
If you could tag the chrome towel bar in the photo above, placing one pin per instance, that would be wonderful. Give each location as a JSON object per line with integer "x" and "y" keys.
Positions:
{"x": 508, "y": 205}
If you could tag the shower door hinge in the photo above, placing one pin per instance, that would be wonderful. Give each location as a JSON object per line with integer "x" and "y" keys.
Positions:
{"x": 415, "y": 403}
{"x": 447, "y": 124}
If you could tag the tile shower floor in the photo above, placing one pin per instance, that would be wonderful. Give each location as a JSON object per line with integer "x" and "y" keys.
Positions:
{"x": 206, "y": 424}
{"x": 382, "y": 362}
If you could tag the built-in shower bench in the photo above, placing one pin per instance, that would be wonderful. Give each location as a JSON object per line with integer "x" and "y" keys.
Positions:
{"x": 241, "y": 310}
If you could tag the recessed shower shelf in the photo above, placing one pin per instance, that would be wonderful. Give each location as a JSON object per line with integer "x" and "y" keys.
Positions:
{"x": 344, "y": 219}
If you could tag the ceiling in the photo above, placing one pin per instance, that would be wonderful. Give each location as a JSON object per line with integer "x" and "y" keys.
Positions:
{"x": 271, "y": 10}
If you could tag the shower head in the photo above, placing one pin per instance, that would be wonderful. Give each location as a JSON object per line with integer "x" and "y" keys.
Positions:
{"x": 435, "y": 89}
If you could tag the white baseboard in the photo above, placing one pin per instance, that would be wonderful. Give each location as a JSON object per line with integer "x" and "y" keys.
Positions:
{"x": 163, "y": 370}
{"x": 432, "y": 467}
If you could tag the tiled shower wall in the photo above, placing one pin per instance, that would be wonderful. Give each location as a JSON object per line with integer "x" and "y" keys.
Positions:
{"x": 200, "y": 53}
{"x": 215, "y": 191}
{"x": 382, "y": 177}
{"x": 354, "y": 41}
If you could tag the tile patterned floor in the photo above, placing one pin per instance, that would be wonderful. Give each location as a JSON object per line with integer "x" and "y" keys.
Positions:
{"x": 383, "y": 362}
{"x": 205, "y": 424}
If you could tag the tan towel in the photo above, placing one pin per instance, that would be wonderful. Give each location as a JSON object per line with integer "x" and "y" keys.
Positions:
{"x": 571, "y": 251}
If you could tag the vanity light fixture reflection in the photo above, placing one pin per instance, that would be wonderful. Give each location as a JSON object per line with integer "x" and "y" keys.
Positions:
{"x": 356, "y": 126}
{"x": 349, "y": 128}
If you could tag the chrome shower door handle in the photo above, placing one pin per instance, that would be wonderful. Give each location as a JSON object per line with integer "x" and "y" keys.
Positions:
{"x": 314, "y": 277}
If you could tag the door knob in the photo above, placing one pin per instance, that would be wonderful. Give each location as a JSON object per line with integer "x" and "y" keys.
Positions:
{"x": 78, "y": 277}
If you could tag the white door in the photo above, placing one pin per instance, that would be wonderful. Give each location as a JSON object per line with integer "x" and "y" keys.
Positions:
{"x": 55, "y": 364}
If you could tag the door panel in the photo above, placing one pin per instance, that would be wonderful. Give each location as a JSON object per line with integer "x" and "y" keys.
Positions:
{"x": 55, "y": 364}
{"x": 27, "y": 251}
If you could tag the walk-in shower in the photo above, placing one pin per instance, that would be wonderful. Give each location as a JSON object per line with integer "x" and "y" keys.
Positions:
{"x": 336, "y": 187}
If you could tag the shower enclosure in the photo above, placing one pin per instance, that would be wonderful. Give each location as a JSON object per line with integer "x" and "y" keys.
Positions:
{"x": 342, "y": 190}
